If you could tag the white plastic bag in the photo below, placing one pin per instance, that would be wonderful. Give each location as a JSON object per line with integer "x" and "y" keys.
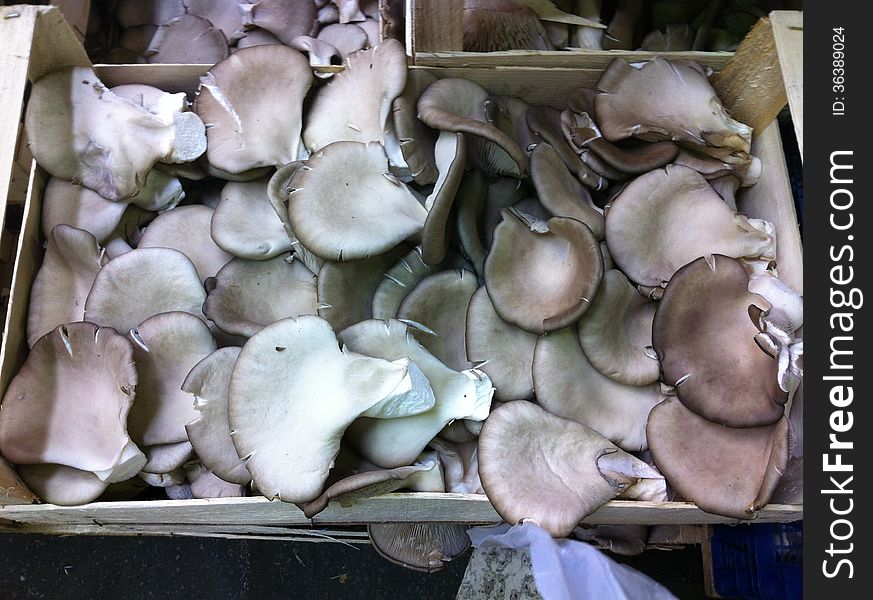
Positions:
{"x": 569, "y": 569}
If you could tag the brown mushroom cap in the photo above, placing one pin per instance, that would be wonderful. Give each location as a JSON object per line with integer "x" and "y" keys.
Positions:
{"x": 560, "y": 192}
{"x": 665, "y": 100}
{"x": 68, "y": 404}
{"x": 187, "y": 229}
{"x": 248, "y": 295}
{"x": 568, "y": 386}
{"x": 503, "y": 351}
{"x": 253, "y": 101}
{"x": 166, "y": 348}
{"x": 375, "y": 77}
{"x": 439, "y": 304}
{"x": 458, "y": 105}
{"x": 552, "y": 471}
{"x": 616, "y": 332}
{"x": 143, "y": 283}
{"x": 423, "y": 547}
{"x": 346, "y": 214}
{"x": 724, "y": 471}
{"x": 706, "y": 342}
{"x": 542, "y": 280}
{"x": 668, "y": 217}
{"x": 209, "y": 432}
{"x": 72, "y": 260}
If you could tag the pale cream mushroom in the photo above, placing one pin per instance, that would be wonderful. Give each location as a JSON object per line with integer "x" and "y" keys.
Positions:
{"x": 245, "y": 223}
{"x": 293, "y": 393}
{"x": 62, "y": 485}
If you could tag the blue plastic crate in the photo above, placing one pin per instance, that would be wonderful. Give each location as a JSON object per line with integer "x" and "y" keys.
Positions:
{"x": 758, "y": 561}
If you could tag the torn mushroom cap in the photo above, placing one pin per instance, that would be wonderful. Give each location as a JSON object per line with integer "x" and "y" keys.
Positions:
{"x": 253, "y": 102}
{"x": 286, "y": 19}
{"x": 166, "y": 347}
{"x": 72, "y": 260}
{"x": 568, "y": 386}
{"x": 451, "y": 158}
{"x": 423, "y": 547}
{"x": 248, "y": 295}
{"x": 542, "y": 279}
{"x": 346, "y": 290}
{"x": 77, "y": 139}
{"x": 343, "y": 213}
{"x": 142, "y": 283}
{"x": 375, "y": 77}
{"x": 503, "y": 351}
{"x": 69, "y": 403}
{"x": 724, "y": 471}
{"x": 706, "y": 342}
{"x": 398, "y": 441}
{"x": 437, "y": 305}
{"x": 458, "y": 105}
{"x": 539, "y": 467}
{"x": 245, "y": 223}
{"x": 366, "y": 484}
{"x": 187, "y": 38}
{"x": 77, "y": 206}
{"x": 560, "y": 192}
{"x": 668, "y": 217}
{"x": 665, "y": 100}
{"x": 293, "y": 393}
{"x": 187, "y": 229}
{"x": 616, "y": 332}
{"x": 396, "y": 283}
{"x": 209, "y": 432}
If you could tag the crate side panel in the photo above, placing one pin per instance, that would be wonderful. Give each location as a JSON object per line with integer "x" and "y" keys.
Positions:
{"x": 566, "y": 59}
{"x": 788, "y": 35}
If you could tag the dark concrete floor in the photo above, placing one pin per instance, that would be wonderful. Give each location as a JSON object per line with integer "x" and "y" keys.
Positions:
{"x": 140, "y": 568}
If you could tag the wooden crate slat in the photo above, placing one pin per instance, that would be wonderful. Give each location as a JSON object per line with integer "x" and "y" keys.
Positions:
{"x": 589, "y": 59}
{"x": 788, "y": 35}
{"x": 434, "y": 25}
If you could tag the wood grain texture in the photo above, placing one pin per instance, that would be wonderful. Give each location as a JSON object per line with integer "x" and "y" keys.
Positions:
{"x": 435, "y": 25}
{"x": 788, "y": 35}
{"x": 567, "y": 59}
{"x": 751, "y": 85}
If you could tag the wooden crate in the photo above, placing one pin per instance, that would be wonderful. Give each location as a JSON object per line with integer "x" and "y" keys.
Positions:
{"x": 44, "y": 42}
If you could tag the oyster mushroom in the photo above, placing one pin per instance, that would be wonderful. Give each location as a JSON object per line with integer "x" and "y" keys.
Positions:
{"x": 396, "y": 283}
{"x": 286, "y": 19}
{"x": 542, "y": 277}
{"x": 253, "y": 101}
{"x": 77, "y": 206}
{"x": 68, "y": 404}
{"x": 539, "y": 467}
{"x": 423, "y": 547}
{"x": 706, "y": 342}
{"x": 245, "y": 223}
{"x": 451, "y": 157}
{"x": 645, "y": 220}
{"x": 295, "y": 367}
{"x": 187, "y": 38}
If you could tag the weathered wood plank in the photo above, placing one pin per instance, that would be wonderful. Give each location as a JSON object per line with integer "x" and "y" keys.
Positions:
{"x": 588, "y": 59}
{"x": 751, "y": 85}
{"x": 788, "y": 35}
{"x": 390, "y": 508}
{"x": 434, "y": 25}
{"x": 77, "y": 13}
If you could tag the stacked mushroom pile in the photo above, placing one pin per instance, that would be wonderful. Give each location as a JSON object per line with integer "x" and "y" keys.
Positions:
{"x": 656, "y": 25}
{"x": 207, "y": 31}
{"x": 336, "y": 326}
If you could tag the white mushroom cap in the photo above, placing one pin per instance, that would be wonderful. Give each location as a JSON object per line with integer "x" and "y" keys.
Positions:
{"x": 245, "y": 223}
{"x": 77, "y": 206}
{"x": 68, "y": 404}
{"x": 166, "y": 458}
{"x": 166, "y": 347}
{"x": 72, "y": 260}
{"x": 143, "y": 283}
{"x": 62, "y": 485}
{"x": 102, "y": 141}
{"x": 293, "y": 393}
{"x": 187, "y": 229}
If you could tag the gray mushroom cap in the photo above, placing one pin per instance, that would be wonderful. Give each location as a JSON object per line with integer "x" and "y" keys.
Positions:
{"x": 245, "y": 223}
{"x": 77, "y": 206}
{"x": 419, "y": 546}
{"x": 187, "y": 38}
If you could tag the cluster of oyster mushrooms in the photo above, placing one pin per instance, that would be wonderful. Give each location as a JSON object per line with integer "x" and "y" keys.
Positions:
{"x": 208, "y": 31}
{"x": 492, "y": 297}
{"x": 654, "y": 25}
